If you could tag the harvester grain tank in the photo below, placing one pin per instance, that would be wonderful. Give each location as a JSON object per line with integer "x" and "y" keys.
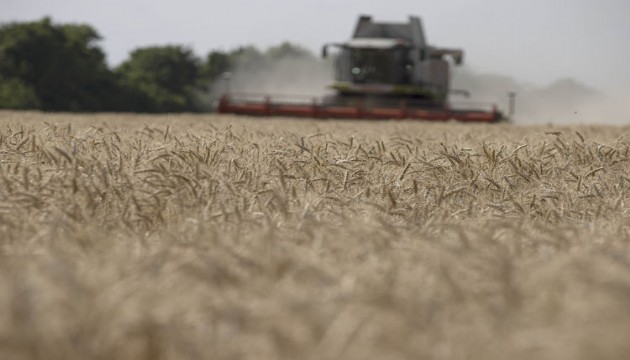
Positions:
{"x": 385, "y": 71}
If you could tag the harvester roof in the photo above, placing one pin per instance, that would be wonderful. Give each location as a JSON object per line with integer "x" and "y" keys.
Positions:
{"x": 375, "y": 43}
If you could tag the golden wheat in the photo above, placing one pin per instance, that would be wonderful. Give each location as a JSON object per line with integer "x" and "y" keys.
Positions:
{"x": 217, "y": 237}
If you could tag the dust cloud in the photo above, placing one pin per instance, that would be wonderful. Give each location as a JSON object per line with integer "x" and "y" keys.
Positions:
{"x": 565, "y": 101}
{"x": 295, "y": 77}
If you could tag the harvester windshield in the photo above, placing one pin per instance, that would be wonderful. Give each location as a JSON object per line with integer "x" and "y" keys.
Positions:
{"x": 375, "y": 61}
{"x": 371, "y": 66}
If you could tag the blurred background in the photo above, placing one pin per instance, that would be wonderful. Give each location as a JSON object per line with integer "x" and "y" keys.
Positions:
{"x": 567, "y": 59}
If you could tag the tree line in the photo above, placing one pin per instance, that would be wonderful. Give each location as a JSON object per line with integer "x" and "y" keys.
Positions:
{"x": 60, "y": 67}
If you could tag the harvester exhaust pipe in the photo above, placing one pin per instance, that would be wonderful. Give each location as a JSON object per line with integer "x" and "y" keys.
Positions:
{"x": 227, "y": 77}
{"x": 512, "y": 103}
{"x": 325, "y": 51}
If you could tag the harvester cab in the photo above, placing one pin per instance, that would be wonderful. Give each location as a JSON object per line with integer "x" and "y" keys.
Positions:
{"x": 392, "y": 61}
{"x": 385, "y": 71}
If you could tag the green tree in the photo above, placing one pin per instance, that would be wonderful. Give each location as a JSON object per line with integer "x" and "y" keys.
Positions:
{"x": 217, "y": 63}
{"x": 54, "y": 68}
{"x": 287, "y": 50}
{"x": 15, "y": 94}
{"x": 247, "y": 57}
{"x": 162, "y": 79}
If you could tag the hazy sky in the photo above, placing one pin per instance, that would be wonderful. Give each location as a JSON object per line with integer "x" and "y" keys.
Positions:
{"x": 536, "y": 41}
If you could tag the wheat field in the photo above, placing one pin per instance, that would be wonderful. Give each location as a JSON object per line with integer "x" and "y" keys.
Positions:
{"x": 218, "y": 237}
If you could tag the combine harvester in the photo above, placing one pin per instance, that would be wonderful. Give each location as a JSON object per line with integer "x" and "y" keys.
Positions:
{"x": 386, "y": 71}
